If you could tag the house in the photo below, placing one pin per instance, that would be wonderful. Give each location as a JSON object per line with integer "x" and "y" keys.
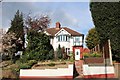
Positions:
{"x": 86, "y": 50}
{"x": 65, "y": 37}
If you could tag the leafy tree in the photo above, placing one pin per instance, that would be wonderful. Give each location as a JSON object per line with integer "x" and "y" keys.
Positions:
{"x": 17, "y": 27}
{"x": 92, "y": 38}
{"x": 38, "y": 23}
{"x": 39, "y": 47}
{"x": 10, "y": 43}
{"x": 106, "y": 19}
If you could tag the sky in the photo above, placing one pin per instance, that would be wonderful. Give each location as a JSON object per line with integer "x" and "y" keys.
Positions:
{"x": 75, "y": 15}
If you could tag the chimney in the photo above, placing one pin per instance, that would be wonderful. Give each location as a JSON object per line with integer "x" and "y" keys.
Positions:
{"x": 58, "y": 25}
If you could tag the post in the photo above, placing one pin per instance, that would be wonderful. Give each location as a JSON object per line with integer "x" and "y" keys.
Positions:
{"x": 110, "y": 53}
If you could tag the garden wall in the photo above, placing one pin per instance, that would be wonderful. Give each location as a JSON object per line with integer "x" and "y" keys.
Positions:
{"x": 98, "y": 71}
{"x": 46, "y": 74}
{"x": 117, "y": 70}
{"x": 93, "y": 60}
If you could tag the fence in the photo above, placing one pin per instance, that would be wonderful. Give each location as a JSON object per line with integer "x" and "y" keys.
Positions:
{"x": 105, "y": 49}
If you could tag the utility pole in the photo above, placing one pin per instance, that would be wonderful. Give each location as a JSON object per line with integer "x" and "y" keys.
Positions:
{"x": 110, "y": 53}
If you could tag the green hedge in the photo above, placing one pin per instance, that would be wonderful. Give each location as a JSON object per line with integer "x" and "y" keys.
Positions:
{"x": 94, "y": 54}
{"x": 26, "y": 65}
{"x": 32, "y": 62}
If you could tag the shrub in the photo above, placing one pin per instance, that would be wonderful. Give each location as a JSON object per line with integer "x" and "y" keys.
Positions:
{"x": 32, "y": 62}
{"x": 59, "y": 52}
{"x": 86, "y": 55}
{"x": 51, "y": 55}
{"x": 51, "y": 64}
{"x": 96, "y": 54}
{"x": 24, "y": 66}
{"x": 5, "y": 57}
{"x": 71, "y": 57}
{"x": 24, "y": 58}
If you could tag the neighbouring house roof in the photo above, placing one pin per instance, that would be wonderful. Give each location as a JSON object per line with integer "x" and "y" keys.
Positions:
{"x": 86, "y": 50}
{"x": 53, "y": 31}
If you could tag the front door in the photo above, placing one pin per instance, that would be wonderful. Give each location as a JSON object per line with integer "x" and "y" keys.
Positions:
{"x": 77, "y": 54}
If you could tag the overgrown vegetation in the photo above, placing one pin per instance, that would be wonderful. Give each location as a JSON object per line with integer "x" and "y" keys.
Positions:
{"x": 92, "y": 38}
{"x": 39, "y": 47}
{"x": 59, "y": 52}
{"x": 27, "y": 65}
{"x": 94, "y": 54}
{"x": 51, "y": 64}
{"x": 13, "y": 40}
{"x": 10, "y": 42}
{"x": 106, "y": 19}
{"x": 17, "y": 27}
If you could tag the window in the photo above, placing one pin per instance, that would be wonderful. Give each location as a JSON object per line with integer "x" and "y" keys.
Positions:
{"x": 63, "y": 38}
{"x": 58, "y": 38}
{"x": 66, "y": 38}
{"x": 77, "y": 53}
{"x": 67, "y": 51}
{"x": 78, "y": 40}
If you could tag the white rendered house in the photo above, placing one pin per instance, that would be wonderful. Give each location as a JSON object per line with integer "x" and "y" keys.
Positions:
{"x": 65, "y": 37}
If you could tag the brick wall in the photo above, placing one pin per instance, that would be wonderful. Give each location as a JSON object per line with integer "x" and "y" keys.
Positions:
{"x": 93, "y": 60}
{"x": 117, "y": 70}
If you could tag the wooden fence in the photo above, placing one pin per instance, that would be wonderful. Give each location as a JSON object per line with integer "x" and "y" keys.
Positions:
{"x": 105, "y": 49}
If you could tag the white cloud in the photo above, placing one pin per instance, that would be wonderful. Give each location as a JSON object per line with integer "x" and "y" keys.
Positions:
{"x": 64, "y": 18}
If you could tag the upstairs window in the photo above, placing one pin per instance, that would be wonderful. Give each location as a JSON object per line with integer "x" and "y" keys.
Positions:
{"x": 63, "y": 38}
{"x": 78, "y": 41}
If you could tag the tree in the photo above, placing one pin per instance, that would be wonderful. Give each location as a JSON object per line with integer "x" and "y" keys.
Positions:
{"x": 39, "y": 47}
{"x": 10, "y": 43}
{"x": 17, "y": 27}
{"x": 38, "y": 23}
{"x": 92, "y": 38}
{"x": 59, "y": 52}
{"x": 106, "y": 20}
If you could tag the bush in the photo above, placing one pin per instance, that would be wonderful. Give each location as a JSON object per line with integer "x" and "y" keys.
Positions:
{"x": 50, "y": 55}
{"x": 24, "y": 66}
{"x": 51, "y": 64}
{"x": 32, "y": 62}
{"x": 71, "y": 57}
{"x": 5, "y": 57}
{"x": 96, "y": 54}
{"x": 24, "y": 58}
{"x": 86, "y": 55}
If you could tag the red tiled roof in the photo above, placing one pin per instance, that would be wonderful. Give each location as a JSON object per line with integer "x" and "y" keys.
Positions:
{"x": 53, "y": 31}
{"x": 86, "y": 50}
